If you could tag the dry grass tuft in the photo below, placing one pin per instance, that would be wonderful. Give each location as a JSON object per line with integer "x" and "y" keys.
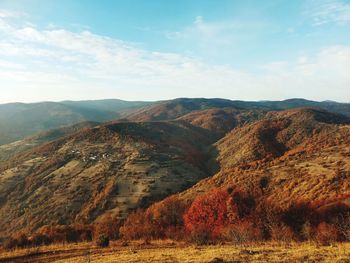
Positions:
{"x": 168, "y": 251}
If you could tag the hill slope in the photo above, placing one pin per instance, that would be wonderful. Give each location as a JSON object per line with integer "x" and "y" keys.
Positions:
{"x": 108, "y": 169}
{"x": 222, "y": 120}
{"x": 276, "y": 134}
{"x": 288, "y": 156}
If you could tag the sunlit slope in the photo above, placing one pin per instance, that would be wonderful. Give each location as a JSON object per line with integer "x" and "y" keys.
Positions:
{"x": 105, "y": 170}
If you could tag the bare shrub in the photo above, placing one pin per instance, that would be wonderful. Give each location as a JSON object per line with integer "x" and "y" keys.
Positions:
{"x": 282, "y": 233}
{"x": 244, "y": 232}
{"x": 200, "y": 235}
{"x": 308, "y": 231}
{"x": 327, "y": 234}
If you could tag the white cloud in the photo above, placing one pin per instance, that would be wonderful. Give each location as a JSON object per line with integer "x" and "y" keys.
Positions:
{"x": 57, "y": 64}
{"x": 324, "y": 12}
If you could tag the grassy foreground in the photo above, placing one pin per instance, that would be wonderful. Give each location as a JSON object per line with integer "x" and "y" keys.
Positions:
{"x": 180, "y": 252}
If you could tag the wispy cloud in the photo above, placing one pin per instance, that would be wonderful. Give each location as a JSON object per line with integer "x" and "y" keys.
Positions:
{"x": 42, "y": 64}
{"x": 323, "y": 12}
{"x": 204, "y": 30}
{"x": 7, "y": 13}
{"x": 215, "y": 35}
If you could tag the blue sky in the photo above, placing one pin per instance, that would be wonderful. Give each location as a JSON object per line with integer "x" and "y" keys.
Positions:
{"x": 161, "y": 49}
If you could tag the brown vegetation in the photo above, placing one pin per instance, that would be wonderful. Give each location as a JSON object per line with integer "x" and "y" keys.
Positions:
{"x": 224, "y": 214}
{"x": 282, "y": 178}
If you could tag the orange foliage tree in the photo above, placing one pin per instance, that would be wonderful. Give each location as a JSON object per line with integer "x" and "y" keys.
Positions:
{"x": 109, "y": 227}
{"x": 159, "y": 221}
{"x": 167, "y": 216}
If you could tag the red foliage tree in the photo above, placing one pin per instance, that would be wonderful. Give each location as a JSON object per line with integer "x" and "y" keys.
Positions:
{"x": 208, "y": 213}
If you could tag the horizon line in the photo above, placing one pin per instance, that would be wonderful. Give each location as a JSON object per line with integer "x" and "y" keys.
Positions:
{"x": 170, "y": 99}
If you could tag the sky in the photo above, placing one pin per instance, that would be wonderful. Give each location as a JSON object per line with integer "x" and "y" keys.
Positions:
{"x": 54, "y": 50}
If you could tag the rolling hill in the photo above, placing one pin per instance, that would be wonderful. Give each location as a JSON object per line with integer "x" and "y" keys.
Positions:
{"x": 86, "y": 172}
{"x": 106, "y": 170}
{"x": 276, "y": 134}
{"x": 172, "y": 109}
{"x": 222, "y": 120}
{"x": 299, "y": 154}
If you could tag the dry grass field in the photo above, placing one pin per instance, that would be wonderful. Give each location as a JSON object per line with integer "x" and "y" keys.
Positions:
{"x": 180, "y": 252}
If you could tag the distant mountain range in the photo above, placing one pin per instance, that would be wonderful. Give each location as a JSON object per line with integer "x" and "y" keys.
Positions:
{"x": 20, "y": 120}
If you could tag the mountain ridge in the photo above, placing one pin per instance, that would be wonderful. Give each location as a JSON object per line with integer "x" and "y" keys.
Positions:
{"x": 43, "y": 116}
